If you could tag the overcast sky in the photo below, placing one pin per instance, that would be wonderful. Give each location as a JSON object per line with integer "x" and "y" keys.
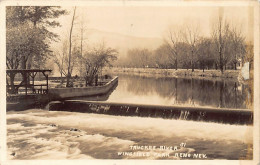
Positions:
{"x": 152, "y": 21}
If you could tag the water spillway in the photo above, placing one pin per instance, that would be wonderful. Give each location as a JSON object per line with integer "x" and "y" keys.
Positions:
{"x": 205, "y": 114}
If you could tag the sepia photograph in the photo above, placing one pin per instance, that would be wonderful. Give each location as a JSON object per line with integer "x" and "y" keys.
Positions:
{"x": 130, "y": 81}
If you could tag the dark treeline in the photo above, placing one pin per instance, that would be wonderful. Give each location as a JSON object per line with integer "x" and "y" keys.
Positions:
{"x": 185, "y": 48}
{"x": 205, "y": 58}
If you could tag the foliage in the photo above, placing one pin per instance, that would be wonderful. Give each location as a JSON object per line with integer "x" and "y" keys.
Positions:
{"x": 61, "y": 58}
{"x": 96, "y": 59}
{"x": 138, "y": 58}
{"x": 161, "y": 57}
{"x": 191, "y": 36}
{"x": 205, "y": 54}
{"x": 173, "y": 41}
{"x": 28, "y": 38}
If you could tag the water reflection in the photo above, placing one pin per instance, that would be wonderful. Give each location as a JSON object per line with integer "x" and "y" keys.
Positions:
{"x": 179, "y": 91}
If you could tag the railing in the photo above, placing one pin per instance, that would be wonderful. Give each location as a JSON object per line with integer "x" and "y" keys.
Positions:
{"x": 43, "y": 89}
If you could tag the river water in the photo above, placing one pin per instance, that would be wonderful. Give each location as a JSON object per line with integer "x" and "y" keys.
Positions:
{"x": 38, "y": 134}
{"x": 176, "y": 91}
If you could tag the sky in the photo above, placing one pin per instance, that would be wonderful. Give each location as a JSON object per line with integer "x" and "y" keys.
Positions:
{"x": 152, "y": 21}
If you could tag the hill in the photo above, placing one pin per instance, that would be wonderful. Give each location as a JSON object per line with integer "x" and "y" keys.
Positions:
{"x": 122, "y": 42}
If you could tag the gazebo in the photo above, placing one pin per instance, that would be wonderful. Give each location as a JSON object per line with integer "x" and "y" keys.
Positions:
{"x": 26, "y": 81}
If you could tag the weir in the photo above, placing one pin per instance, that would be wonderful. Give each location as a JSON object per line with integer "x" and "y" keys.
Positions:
{"x": 218, "y": 115}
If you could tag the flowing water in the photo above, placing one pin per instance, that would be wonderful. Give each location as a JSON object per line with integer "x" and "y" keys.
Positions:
{"x": 38, "y": 134}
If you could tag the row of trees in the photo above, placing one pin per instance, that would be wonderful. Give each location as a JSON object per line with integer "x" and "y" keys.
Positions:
{"x": 185, "y": 47}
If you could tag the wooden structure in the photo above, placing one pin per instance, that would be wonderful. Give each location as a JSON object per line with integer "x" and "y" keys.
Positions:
{"x": 27, "y": 81}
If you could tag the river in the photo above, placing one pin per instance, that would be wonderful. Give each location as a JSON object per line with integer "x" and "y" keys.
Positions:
{"x": 40, "y": 134}
{"x": 176, "y": 91}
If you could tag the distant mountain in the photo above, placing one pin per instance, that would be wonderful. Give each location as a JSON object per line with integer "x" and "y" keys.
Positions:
{"x": 122, "y": 42}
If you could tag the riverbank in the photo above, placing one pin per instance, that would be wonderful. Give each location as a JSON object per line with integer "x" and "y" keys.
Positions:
{"x": 180, "y": 73}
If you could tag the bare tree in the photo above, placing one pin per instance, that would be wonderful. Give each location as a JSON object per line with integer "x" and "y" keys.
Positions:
{"x": 221, "y": 34}
{"x": 139, "y": 57}
{"x": 70, "y": 49}
{"x": 82, "y": 38}
{"x": 67, "y": 58}
{"x": 95, "y": 60}
{"x": 161, "y": 57}
{"x": 172, "y": 40}
{"x": 249, "y": 55}
{"x": 204, "y": 52}
{"x": 238, "y": 45}
{"x": 191, "y": 36}
{"x": 61, "y": 59}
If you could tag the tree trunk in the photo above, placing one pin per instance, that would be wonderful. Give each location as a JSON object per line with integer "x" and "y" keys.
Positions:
{"x": 61, "y": 80}
{"x": 192, "y": 91}
{"x": 86, "y": 81}
{"x": 70, "y": 45}
{"x": 68, "y": 84}
{"x": 12, "y": 90}
{"x": 96, "y": 80}
{"x": 192, "y": 65}
{"x": 24, "y": 67}
{"x": 221, "y": 90}
{"x": 176, "y": 90}
{"x": 220, "y": 63}
{"x": 90, "y": 81}
{"x": 81, "y": 51}
{"x": 176, "y": 63}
